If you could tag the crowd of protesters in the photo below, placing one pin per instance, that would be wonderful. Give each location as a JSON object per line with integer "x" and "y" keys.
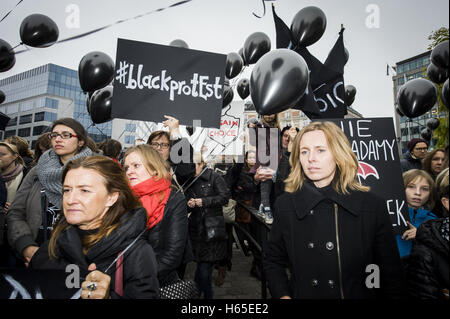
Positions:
{"x": 313, "y": 228}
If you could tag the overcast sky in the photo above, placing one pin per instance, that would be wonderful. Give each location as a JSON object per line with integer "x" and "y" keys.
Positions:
{"x": 222, "y": 27}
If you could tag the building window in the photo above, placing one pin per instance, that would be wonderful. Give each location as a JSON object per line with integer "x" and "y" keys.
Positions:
{"x": 51, "y": 103}
{"x": 130, "y": 127}
{"x": 26, "y": 106}
{"x": 51, "y": 117}
{"x": 24, "y": 132}
{"x": 13, "y": 109}
{"x": 39, "y": 117}
{"x": 38, "y": 130}
{"x": 12, "y": 122}
{"x": 10, "y": 133}
{"x": 24, "y": 119}
{"x": 129, "y": 139}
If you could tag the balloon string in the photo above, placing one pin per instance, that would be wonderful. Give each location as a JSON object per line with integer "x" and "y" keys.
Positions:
{"x": 11, "y": 10}
{"x": 115, "y": 23}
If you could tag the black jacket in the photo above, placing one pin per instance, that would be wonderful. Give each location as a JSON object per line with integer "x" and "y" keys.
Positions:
{"x": 184, "y": 169}
{"x": 240, "y": 181}
{"x": 427, "y": 270}
{"x": 139, "y": 265}
{"x": 327, "y": 240}
{"x": 212, "y": 189}
{"x": 283, "y": 171}
{"x": 408, "y": 162}
{"x": 169, "y": 238}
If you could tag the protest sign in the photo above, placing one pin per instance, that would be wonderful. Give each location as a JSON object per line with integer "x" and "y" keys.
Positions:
{"x": 154, "y": 80}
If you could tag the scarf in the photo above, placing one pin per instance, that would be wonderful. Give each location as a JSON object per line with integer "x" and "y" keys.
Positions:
{"x": 49, "y": 171}
{"x": 154, "y": 196}
{"x": 13, "y": 174}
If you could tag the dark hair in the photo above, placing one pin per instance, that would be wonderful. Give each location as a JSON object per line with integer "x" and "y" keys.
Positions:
{"x": 111, "y": 148}
{"x": 158, "y": 134}
{"x": 22, "y": 145}
{"x": 79, "y": 130}
{"x": 43, "y": 141}
{"x": 426, "y": 162}
{"x": 115, "y": 181}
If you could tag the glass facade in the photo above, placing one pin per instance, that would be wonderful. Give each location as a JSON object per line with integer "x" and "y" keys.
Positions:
{"x": 28, "y": 93}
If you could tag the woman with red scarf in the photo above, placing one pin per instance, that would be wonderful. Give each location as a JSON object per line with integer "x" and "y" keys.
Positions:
{"x": 167, "y": 220}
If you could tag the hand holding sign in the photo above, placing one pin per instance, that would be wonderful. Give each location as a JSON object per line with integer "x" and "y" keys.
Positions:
{"x": 96, "y": 285}
{"x": 410, "y": 233}
{"x": 173, "y": 124}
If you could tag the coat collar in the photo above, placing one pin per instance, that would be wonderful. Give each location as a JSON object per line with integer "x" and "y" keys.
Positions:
{"x": 308, "y": 197}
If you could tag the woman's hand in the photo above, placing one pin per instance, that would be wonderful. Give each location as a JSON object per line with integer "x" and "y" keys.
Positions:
{"x": 191, "y": 203}
{"x": 173, "y": 125}
{"x": 6, "y": 207}
{"x": 96, "y": 285}
{"x": 410, "y": 233}
{"x": 28, "y": 253}
{"x": 199, "y": 202}
{"x": 292, "y": 134}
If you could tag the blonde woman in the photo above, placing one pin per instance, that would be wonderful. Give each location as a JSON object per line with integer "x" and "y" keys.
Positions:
{"x": 328, "y": 229}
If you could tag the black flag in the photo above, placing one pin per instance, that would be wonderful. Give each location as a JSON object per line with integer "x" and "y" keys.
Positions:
{"x": 4, "y": 119}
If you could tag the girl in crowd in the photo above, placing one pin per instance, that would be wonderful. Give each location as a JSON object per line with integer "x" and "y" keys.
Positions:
{"x": 150, "y": 179}
{"x": 39, "y": 199}
{"x": 432, "y": 163}
{"x": 418, "y": 189}
{"x": 102, "y": 217}
{"x": 328, "y": 228}
{"x": 207, "y": 230}
{"x": 428, "y": 266}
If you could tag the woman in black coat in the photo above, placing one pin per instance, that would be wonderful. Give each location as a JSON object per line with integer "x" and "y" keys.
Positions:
{"x": 150, "y": 180}
{"x": 101, "y": 233}
{"x": 334, "y": 236}
{"x": 207, "y": 230}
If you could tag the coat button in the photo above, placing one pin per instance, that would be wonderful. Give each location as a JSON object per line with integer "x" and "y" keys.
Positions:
{"x": 310, "y": 245}
{"x": 331, "y": 283}
{"x": 311, "y": 212}
{"x": 329, "y": 245}
{"x": 314, "y": 282}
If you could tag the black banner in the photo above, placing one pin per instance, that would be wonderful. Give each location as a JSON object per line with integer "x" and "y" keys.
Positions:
{"x": 154, "y": 80}
{"x": 374, "y": 143}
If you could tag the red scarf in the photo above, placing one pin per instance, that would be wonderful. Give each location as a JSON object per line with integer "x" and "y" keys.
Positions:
{"x": 153, "y": 195}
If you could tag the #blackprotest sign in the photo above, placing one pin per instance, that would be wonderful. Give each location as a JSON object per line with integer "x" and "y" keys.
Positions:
{"x": 37, "y": 284}
{"x": 374, "y": 143}
{"x": 154, "y": 80}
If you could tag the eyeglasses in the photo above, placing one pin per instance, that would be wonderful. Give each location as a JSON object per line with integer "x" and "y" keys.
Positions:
{"x": 422, "y": 149}
{"x": 162, "y": 145}
{"x": 64, "y": 135}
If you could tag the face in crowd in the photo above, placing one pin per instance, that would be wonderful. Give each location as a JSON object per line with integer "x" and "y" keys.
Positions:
{"x": 417, "y": 192}
{"x": 285, "y": 139}
{"x": 436, "y": 162}
{"x": 162, "y": 145}
{"x": 65, "y": 142}
{"x": 420, "y": 150}
{"x": 136, "y": 170}
{"x": 316, "y": 159}
{"x": 6, "y": 157}
{"x": 85, "y": 198}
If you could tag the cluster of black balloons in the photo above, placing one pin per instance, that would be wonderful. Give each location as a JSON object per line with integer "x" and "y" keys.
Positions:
{"x": 36, "y": 30}
{"x": 427, "y": 132}
{"x": 416, "y": 97}
{"x": 95, "y": 73}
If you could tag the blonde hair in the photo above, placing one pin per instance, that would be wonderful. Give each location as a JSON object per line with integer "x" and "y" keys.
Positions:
{"x": 151, "y": 160}
{"x": 415, "y": 174}
{"x": 345, "y": 178}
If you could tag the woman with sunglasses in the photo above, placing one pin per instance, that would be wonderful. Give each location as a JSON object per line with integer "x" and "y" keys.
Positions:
{"x": 38, "y": 201}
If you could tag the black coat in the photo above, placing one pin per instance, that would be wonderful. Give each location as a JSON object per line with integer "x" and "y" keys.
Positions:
{"x": 170, "y": 238}
{"x": 283, "y": 171}
{"x": 427, "y": 270}
{"x": 139, "y": 265}
{"x": 184, "y": 169}
{"x": 240, "y": 180}
{"x": 327, "y": 240}
{"x": 408, "y": 162}
{"x": 213, "y": 190}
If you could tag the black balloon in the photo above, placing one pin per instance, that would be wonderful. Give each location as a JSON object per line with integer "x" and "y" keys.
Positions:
{"x": 100, "y": 105}
{"x": 426, "y": 134}
{"x": 278, "y": 81}
{"x": 241, "y": 53}
{"x": 433, "y": 123}
{"x": 2, "y": 97}
{"x": 308, "y": 26}
{"x": 179, "y": 43}
{"x": 95, "y": 71}
{"x": 227, "y": 95}
{"x": 399, "y": 112}
{"x": 243, "y": 88}
{"x": 256, "y": 45}
{"x": 7, "y": 56}
{"x": 350, "y": 93}
{"x": 88, "y": 102}
{"x": 416, "y": 97}
{"x": 234, "y": 65}
{"x": 440, "y": 56}
{"x": 444, "y": 94}
{"x": 435, "y": 74}
{"x": 38, "y": 31}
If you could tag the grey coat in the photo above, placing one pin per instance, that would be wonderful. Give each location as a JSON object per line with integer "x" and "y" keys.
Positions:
{"x": 25, "y": 214}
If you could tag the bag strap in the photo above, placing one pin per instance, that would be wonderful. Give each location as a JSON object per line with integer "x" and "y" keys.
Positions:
{"x": 118, "y": 283}
{"x": 190, "y": 184}
{"x": 44, "y": 213}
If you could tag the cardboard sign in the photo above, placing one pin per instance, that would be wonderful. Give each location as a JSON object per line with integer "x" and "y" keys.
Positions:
{"x": 374, "y": 144}
{"x": 154, "y": 80}
{"x": 37, "y": 284}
